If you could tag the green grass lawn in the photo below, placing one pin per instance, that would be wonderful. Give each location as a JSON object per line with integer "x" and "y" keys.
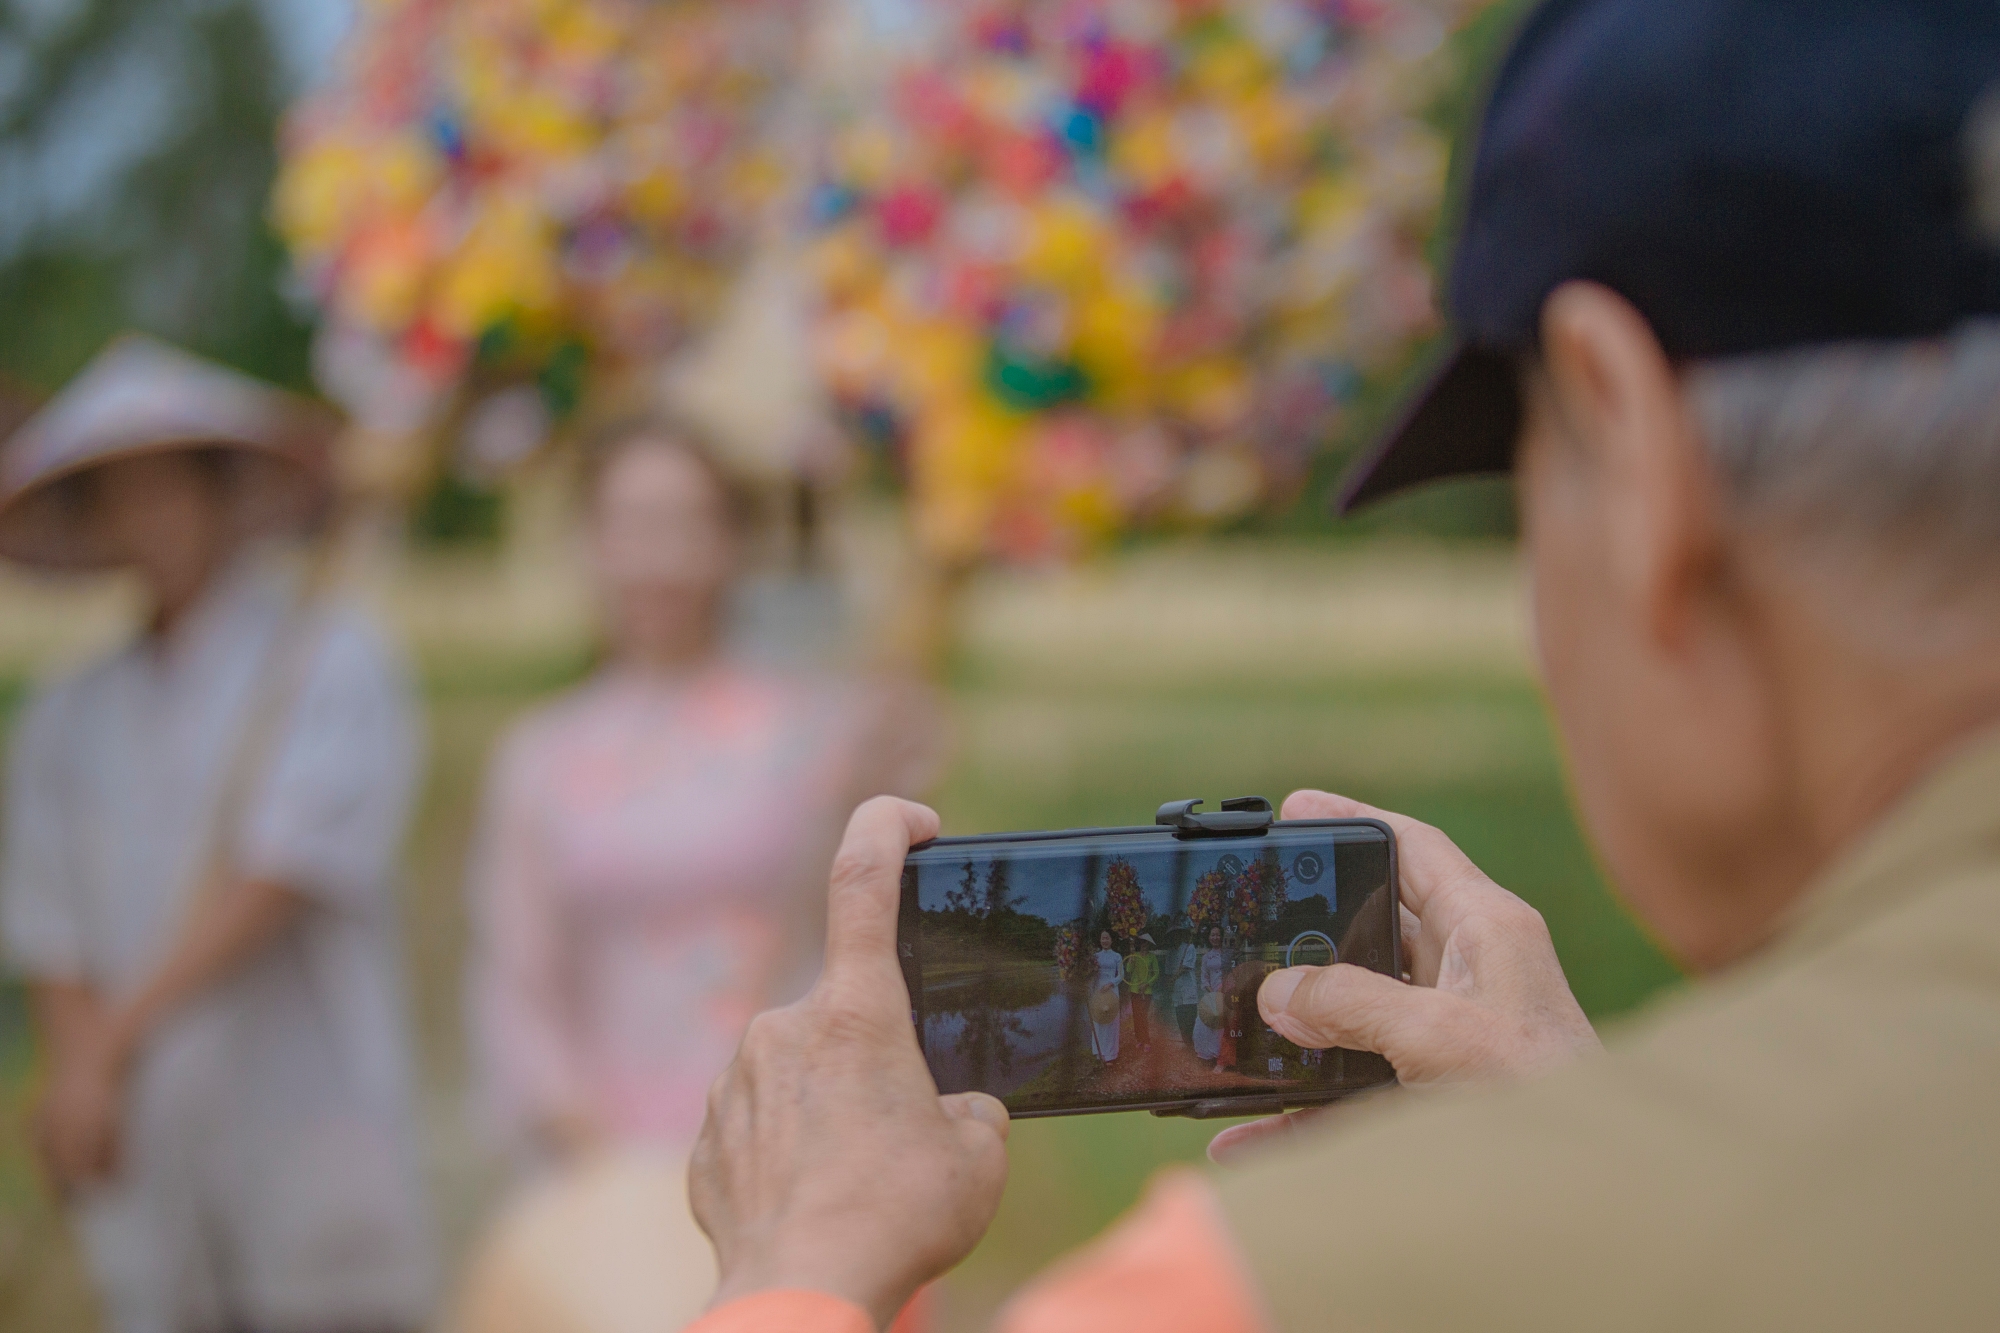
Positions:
{"x": 1045, "y": 740}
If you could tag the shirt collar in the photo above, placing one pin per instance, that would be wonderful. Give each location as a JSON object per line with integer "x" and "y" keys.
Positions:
{"x": 237, "y": 601}
{"x": 1950, "y": 820}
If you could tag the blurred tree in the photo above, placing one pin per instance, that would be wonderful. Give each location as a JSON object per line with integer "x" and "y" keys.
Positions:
{"x": 136, "y": 153}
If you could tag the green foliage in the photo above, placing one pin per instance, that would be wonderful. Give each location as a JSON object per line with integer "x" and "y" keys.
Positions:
{"x": 976, "y": 923}
{"x": 965, "y": 898}
{"x": 175, "y": 242}
{"x": 955, "y": 936}
{"x": 1308, "y": 913}
{"x": 457, "y": 512}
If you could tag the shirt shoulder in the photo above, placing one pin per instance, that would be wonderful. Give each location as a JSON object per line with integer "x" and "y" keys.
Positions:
{"x": 54, "y": 708}
{"x": 1805, "y": 1143}
{"x": 353, "y": 644}
{"x": 538, "y": 746}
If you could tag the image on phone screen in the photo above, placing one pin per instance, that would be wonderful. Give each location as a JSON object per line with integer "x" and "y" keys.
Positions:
{"x": 1120, "y": 970}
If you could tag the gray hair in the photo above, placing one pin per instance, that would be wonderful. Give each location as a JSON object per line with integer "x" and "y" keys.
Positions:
{"x": 1876, "y": 464}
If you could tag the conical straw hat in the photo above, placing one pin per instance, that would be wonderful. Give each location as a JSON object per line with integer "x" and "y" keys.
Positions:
{"x": 141, "y": 396}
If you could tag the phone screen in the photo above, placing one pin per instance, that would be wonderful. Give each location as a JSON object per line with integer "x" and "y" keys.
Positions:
{"x": 1120, "y": 969}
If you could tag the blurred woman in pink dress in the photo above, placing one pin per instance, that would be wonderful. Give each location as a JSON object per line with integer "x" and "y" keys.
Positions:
{"x": 634, "y": 899}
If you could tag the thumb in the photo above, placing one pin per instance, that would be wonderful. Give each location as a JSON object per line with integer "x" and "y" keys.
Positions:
{"x": 983, "y": 1108}
{"x": 864, "y": 896}
{"x": 1426, "y": 1034}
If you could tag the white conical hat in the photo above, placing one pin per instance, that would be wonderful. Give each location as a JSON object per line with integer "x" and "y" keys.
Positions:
{"x": 142, "y": 396}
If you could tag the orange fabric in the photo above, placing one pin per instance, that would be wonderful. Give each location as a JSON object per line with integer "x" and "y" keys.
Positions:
{"x": 1170, "y": 1266}
{"x": 785, "y": 1312}
{"x": 916, "y": 1316}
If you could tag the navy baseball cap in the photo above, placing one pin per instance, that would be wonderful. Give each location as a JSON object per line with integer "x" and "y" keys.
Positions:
{"x": 1750, "y": 174}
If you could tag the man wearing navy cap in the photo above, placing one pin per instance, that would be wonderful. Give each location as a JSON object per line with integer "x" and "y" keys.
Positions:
{"x": 1727, "y": 304}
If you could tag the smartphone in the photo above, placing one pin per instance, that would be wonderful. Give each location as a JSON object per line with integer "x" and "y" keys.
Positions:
{"x": 1117, "y": 969}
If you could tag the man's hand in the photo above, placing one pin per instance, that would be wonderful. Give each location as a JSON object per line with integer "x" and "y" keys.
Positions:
{"x": 1489, "y": 999}
{"x": 828, "y": 1161}
{"x": 80, "y": 1119}
{"x": 92, "y": 1045}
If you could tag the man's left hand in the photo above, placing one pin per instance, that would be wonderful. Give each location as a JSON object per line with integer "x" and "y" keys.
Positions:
{"x": 828, "y": 1161}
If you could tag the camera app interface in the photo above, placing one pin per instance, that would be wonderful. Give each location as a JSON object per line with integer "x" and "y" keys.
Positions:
{"x": 1108, "y": 972}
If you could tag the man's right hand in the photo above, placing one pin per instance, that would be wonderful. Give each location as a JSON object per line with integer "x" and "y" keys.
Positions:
{"x": 1489, "y": 999}
{"x": 828, "y": 1161}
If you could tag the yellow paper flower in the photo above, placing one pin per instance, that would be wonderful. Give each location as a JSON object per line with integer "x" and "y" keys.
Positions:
{"x": 317, "y": 199}
{"x": 505, "y": 269}
{"x": 970, "y": 459}
{"x": 1116, "y": 329}
{"x": 1065, "y": 245}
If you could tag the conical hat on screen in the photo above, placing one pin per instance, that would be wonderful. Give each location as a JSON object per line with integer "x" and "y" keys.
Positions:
{"x": 1212, "y": 1009}
{"x": 142, "y": 396}
{"x": 1104, "y": 1004}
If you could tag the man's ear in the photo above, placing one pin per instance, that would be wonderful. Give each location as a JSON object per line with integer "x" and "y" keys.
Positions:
{"x": 1619, "y": 404}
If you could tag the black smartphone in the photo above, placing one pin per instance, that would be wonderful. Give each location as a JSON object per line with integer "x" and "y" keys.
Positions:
{"x": 1117, "y": 969}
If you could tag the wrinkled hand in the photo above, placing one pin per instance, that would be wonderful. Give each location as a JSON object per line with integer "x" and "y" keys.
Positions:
{"x": 828, "y": 1161}
{"x": 1489, "y": 999}
{"x": 79, "y": 1122}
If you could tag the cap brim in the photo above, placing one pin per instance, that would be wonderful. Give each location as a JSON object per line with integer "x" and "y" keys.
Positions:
{"x": 1463, "y": 421}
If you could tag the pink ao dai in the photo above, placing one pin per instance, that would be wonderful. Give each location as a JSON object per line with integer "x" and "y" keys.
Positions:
{"x": 650, "y": 873}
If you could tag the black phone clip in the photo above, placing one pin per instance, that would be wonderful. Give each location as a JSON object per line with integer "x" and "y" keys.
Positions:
{"x": 1239, "y": 817}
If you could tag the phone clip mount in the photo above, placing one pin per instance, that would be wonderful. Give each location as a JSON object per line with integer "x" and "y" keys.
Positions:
{"x": 1239, "y": 817}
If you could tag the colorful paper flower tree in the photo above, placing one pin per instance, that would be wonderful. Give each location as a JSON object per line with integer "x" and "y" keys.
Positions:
{"x": 1069, "y": 948}
{"x": 529, "y": 190}
{"x": 1209, "y": 904}
{"x": 1124, "y": 900}
{"x": 1093, "y": 265}
{"x": 1257, "y": 896}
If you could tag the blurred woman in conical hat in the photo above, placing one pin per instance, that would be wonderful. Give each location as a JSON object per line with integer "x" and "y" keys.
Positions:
{"x": 210, "y": 951}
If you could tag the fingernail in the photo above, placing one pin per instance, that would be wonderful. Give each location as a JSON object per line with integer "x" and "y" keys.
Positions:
{"x": 992, "y": 1112}
{"x": 977, "y": 1106}
{"x": 1276, "y": 996}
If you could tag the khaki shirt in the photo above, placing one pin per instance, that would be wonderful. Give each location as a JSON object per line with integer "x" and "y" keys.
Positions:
{"x": 1809, "y": 1141}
